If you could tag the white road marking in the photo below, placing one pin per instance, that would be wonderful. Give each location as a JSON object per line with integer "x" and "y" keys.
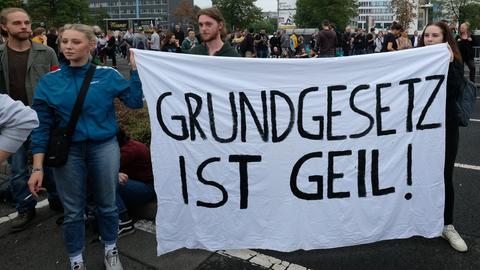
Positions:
{"x": 475, "y": 120}
{"x": 14, "y": 215}
{"x": 248, "y": 255}
{"x": 466, "y": 166}
{"x": 260, "y": 259}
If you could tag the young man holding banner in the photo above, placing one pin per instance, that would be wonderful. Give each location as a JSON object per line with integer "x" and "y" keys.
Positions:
{"x": 212, "y": 29}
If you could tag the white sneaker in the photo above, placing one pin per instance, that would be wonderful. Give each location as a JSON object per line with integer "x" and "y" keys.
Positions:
{"x": 112, "y": 260}
{"x": 451, "y": 235}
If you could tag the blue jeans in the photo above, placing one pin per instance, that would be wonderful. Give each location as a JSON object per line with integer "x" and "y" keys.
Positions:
{"x": 262, "y": 53}
{"x": 100, "y": 160}
{"x": 19, "y": 178}
{"x": 134, "y": 193}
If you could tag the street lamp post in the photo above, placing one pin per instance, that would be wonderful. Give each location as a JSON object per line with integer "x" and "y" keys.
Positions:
{"x": 426, "y": 7}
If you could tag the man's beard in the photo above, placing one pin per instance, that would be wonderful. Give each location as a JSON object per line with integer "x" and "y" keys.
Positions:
{"x": 209, "y": 38}
{"x": 21, "y": 36}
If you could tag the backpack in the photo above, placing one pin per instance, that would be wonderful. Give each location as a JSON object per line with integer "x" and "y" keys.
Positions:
{"x": 465, "y": 102}
{"x": 140, "y": 44}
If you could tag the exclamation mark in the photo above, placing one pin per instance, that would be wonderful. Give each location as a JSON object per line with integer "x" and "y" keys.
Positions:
{"x": 408, "y": 196}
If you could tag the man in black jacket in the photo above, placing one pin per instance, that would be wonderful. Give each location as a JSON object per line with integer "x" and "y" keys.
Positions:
{"x": 246, "y": 47}
{"x": 326, "y": 41}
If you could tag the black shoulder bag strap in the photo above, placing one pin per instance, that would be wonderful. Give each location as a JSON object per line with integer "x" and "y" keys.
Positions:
{"x": 77, "y": 108}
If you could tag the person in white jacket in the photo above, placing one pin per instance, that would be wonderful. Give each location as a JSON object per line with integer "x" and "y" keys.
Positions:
{"x": 16, "y": 123}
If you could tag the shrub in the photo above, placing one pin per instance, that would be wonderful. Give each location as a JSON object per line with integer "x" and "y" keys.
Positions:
{"x": 135, "y": 122}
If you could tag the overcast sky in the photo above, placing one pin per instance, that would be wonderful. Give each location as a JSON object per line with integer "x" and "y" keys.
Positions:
{"x": 265, "y": 5}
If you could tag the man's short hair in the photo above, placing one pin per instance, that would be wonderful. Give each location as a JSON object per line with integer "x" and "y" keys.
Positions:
{"x": 372, "y": 29}
{"x": 4, "y": 13}
{"x": 38, "y": 31}
{"x": 326, "y": 23}
{"x": 215, "y": 14}
{"x": 396, "y": 26}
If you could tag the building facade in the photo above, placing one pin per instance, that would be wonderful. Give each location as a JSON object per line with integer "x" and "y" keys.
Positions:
{"x": 379, "y": 14}
{"x": 374, "y": 13}
{"x": 144, "y": 13}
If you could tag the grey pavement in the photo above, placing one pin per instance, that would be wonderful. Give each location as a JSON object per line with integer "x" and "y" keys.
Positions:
{"x": 41, "y": 245}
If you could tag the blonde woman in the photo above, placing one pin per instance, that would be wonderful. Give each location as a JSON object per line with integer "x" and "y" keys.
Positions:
{"x": 94, "y": 149}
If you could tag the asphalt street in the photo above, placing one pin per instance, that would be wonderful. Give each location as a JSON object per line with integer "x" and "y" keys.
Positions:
{"x": 41, "y": 245}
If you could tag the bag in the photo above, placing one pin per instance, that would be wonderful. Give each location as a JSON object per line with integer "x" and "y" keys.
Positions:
{"x": 58, "y": 147}
{"x": 59, "y": 142}
{"x": 140, "y": 44}
{"x": 465, "y": 103}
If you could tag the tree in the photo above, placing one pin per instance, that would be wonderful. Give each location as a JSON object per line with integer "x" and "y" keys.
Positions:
{"x": 11, "y": 3}
{"x": 455, "y": 9}
{"x": 471, "y": 13}
{"x": 459, "y": 11}
{"x": 59, "y": 12}
{"x": 404, "y": 11}
{"x": 238, "y": 13}
{"x": 185, "y": 12}
{"x": 311, "y": 13}
{"x": 270, "y": 25}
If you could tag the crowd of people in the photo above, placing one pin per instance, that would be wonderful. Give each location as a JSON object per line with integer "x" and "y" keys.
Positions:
{"x": 102, "y": 160}
{"x": 325, "y": 42}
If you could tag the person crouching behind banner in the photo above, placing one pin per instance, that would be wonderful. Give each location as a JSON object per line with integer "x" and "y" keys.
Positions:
{"x": 135, "y": 179}
{"x": 437, "y": 33}
{"x": 94, "y": 148}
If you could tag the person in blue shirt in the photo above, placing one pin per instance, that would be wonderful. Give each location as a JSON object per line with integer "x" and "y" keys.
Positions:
{"x": 94, "y": 149}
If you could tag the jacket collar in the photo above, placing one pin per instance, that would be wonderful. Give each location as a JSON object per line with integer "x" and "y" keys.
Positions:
{"x": 81, "y": 69}
{"x": 35, "y": 46}
{"x": 226, "y": 46}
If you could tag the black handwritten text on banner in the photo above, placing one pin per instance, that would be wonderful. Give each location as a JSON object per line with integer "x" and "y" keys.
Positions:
{"x": 296, "y": 154}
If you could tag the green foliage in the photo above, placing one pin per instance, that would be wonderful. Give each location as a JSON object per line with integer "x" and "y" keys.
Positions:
{"x": 471, "y": 14}
{"x": 270, "y": 25}
{"x": 11, "y": 3}
{"x": 59, "y": 12}
{"x": 238, "y": 13}
{"x": 311, "y": 13}
{"x": 135, "y": 122}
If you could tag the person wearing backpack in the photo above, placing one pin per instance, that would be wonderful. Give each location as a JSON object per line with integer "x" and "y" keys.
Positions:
{"x": 437, "y": 33}
{"x": 140, "y": 39}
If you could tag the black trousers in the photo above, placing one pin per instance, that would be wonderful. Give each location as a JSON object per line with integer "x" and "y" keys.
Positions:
{"x": 451, "y": 147}
{"x": 471, "y": 67}
{"x": 112, "y": 55}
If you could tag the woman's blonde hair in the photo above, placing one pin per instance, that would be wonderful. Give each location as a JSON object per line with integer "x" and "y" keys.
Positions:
{"x": 82, "y": 28}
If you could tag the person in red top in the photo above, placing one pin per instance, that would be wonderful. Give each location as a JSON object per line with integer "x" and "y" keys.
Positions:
{"x": 135, "y": 179}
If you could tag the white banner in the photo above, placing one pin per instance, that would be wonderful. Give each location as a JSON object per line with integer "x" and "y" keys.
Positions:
{"x": 296, "y": 154}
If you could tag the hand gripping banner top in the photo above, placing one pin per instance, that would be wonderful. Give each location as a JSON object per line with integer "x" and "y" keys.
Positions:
{"x": 288, "y": 154}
